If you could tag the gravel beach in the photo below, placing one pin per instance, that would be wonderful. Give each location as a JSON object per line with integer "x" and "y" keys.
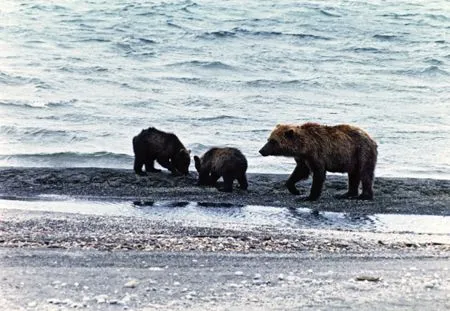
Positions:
{"x": 58, "y": 260}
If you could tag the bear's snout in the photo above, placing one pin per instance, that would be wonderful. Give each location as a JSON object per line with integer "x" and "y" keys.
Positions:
{"x": 263, "y": 151}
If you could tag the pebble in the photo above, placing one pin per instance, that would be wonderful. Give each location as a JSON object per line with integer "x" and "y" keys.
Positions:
{"x": 281, "y": 276}
{"x": 155, "y": 269}
{"x": 368, "y": 278}
{"x": 257, "y": 282}
{"x": 101, "y": 298}
{"x": 132, "y": 283}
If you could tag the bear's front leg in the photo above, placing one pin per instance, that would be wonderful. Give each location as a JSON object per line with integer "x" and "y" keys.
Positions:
{"x": 317, "y": 184}
{"x": 227, "y": 183}
{"x": 167, "y": 163}
{"x": 300, "y": 172}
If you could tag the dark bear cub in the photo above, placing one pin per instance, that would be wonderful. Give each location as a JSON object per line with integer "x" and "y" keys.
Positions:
{"x": 228, "y": 163}
{"x": 152, "y": 144}
{"x": 318, "y": 148}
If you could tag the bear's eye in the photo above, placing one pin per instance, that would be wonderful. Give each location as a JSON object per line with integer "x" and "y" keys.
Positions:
{"x": 272, "y": 141}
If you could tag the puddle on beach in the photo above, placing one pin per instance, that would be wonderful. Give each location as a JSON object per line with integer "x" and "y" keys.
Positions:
{"x": 217, "y": 214}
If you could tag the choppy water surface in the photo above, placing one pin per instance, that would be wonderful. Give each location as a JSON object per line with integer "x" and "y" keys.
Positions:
{"x": 218, "y": 214}
{"x": 78, "y": 79}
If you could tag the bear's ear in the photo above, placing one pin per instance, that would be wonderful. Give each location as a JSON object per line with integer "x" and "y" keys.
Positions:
{"x": 289, "y": 134}
{"x": 198, "y": 165}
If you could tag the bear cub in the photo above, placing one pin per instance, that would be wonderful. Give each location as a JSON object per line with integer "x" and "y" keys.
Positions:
{"x": 228, "y": 163}
{"x": 318, "y": 148}
{"x": 152, "y": 144}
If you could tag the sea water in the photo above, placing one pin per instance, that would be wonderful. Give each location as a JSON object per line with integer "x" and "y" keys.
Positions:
{"x": 78, "y": 79}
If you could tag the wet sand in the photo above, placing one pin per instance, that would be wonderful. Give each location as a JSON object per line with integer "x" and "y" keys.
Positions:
{"x": 392, "y": 195}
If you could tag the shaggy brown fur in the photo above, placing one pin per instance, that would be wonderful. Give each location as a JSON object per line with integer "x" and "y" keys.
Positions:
{"x": 228, "y": 163}
{"x": 318, "y": 148}
{"x": 152, "y": 144}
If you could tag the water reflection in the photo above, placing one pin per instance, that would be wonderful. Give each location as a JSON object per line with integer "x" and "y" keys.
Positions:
{"x": 219, "y": 214}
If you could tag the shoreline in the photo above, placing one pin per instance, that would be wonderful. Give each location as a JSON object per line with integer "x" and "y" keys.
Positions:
{"x": 392, "y": 195}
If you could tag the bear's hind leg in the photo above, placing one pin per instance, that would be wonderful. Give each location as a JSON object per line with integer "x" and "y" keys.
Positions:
{"x": 243, "y": 183}
{"x": 138, "y": 163}
{"x": 367, "y": 190}
{"x": 353, "y": 184}
{"x": 300, "y": 172}
{"x": 367, "y": 176}
{"x": 227, "y": 183}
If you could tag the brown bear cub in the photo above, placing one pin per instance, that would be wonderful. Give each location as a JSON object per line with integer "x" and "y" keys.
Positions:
{"x": 318, "y": 148}
{"x": 152, "y": 144}
{"x": 228, "y": 163}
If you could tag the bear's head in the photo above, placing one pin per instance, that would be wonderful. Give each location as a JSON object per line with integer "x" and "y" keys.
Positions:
{"x": 203, "y": 172}
{"x": 182, "y": 160}
{"x": 285, "y": 140}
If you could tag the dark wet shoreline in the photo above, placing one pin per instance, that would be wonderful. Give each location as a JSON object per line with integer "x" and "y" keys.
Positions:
{"x": 392, "y": 195}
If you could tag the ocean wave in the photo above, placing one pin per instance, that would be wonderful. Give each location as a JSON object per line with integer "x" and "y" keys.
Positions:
{"x": 68, "y": 159}
{"x": 203, "y": 64}
{"x": 385, "y": 37}
{"x": 41, "y": 135}
{"x": 243, "y": 31}
{"x": 221, "y": 118}
{"x": 83, "y": 70}
{"x": 279, "y": 83}
{"x": 328, "y": 13}
{"x": 365, "y": 50}
{"x": 218, "y": 34}
{"x": 38, "y": 104}
{"x": 49, "y": 7}
{"x": 431, "y": 71}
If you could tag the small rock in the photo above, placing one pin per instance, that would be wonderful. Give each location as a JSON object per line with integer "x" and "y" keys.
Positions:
{"x": 368, "y": 278}
{"x": 281, "y": 277}
{"x": 54, "y": 301}
{"x": 155, "y": 269}
{"x": 257, "y": 276}
{"x": 131, "y": 284}
{"x": 176, "y": 283}
{"x": 290, "y": 278}
{"x": 257, "y": 282}
{"x": 101, "y": 298}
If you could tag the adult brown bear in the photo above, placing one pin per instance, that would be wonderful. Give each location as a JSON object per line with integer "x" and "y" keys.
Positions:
{"x": 318, "y": 148}
{"x": 152, "y": 144}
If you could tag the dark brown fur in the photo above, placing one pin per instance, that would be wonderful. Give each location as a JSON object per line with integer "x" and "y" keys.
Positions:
{"x": 152, "y": 144}
{"x": 228, "y": 163}
{"x": 318, "y": 148}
